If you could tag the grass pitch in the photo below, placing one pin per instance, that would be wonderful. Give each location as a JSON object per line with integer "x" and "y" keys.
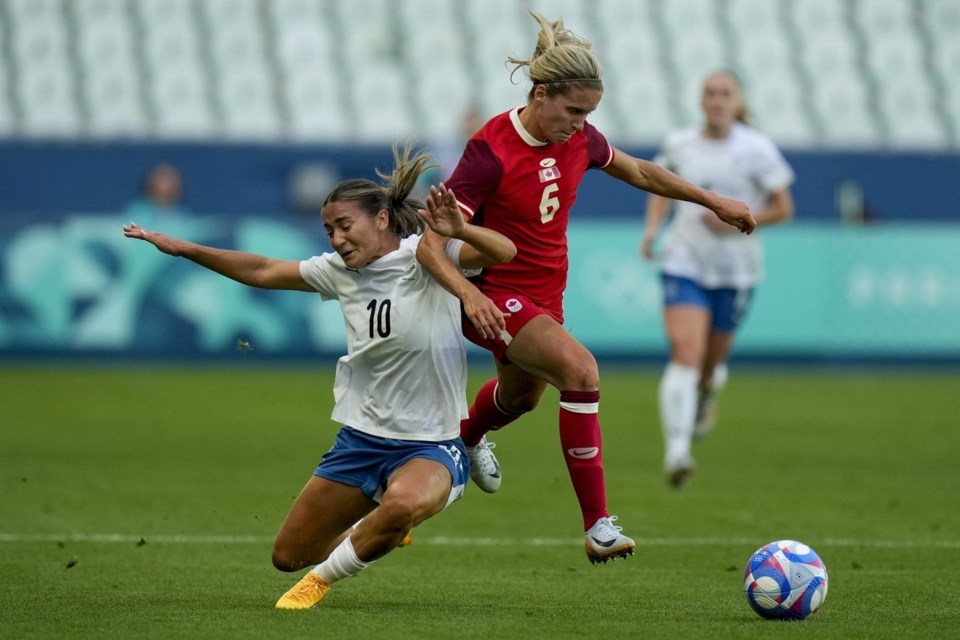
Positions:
{"x": 142, "y": 503}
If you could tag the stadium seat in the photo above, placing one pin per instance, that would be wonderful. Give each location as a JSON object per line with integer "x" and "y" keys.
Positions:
{"x": 40, "y": 43}
{"x": 314, "y": 113}
{"x": 98, "y": 12}
{"x": 951, "y": 111}
{"x": 776, "y": 107}
{"x": 622, "y": 18}
{"x": 303, "y": 45}
{"x": 112, "y": 98}
{"x": 379, "y": 101}
{"x": 247, "y": 105}
{"x": 105, "y": 44}
{"x": 810, "y": 17}
{"x": 881, "y": 18}
{"x": 763, "y": 56}
{"x": 830, "y": 55}
{"x": 748, "y": 19}
{"x": 181, "y": 103}
{"x": 230, "y": 14}
{"x": 490, "y": 17}
{"x": 443, "y": 94}
{"x": 841, "y": 106}
{"x": 171, "y": 44}
{"x": 945, "y": 58}
{"x": 643, "y": 107}
{"x": 8, "y": 120}
{"x": 689, "y": 18}
{"x": 907, "y": 108}
{"x": 291, "y": 12}
{"x": 941, "y": 19}
{"x": 153, "y": 13}
{"x": 625, "y": 56}
{"x": 46, "y": 96}
{"x": 894, "y": 56}
{"x": 24, "y": 12}
{"x": 433, "y": 40}
{"x": 237, "y": 45}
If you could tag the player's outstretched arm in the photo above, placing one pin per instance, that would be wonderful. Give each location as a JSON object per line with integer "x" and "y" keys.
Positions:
{"x": 483, "y": 247}
{"x": 655, "y": 179}
{"x": 247, "y": 268}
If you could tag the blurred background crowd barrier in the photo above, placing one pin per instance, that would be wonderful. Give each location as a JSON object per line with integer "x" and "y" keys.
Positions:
{"x": 263, "y": 105}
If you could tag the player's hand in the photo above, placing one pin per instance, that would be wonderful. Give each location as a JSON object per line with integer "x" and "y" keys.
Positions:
{"x": 736, "y": 214}
{"x": 646, "y": 246}
{"x": 484, "y": 314}
{"x": 442, "y": 214}
{"x": 161, "y": 241}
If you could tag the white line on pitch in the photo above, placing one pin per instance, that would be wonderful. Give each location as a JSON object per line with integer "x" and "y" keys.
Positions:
{"x": 122, "y": 538}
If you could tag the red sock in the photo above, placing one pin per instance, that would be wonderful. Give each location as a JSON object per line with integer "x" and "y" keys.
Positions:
{"x": 583, "y": 452}
{"x": 485, "y": 415}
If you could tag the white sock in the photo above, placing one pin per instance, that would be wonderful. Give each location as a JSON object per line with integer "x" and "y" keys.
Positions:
{"x": 719, "y": 379}
{"x": 678, "y": 409}
{"x": 342, "y": 563}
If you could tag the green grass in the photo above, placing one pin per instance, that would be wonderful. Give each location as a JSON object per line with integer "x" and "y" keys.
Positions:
{"x": 866, "y": 469}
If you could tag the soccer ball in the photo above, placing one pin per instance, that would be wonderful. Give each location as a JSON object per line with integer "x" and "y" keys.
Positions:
{"x": 785, "y": 580}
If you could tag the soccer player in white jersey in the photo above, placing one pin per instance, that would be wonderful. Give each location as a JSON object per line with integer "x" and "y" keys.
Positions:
{"x": 399, "y": 391}
{"x": 709, "y": 273}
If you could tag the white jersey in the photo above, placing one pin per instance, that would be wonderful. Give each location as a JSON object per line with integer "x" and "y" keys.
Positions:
{"x": 747, "y": 166}
{"x": 404, "y": 375}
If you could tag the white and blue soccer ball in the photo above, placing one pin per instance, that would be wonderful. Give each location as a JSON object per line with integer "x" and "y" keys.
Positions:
{"x": 785, "y": 580}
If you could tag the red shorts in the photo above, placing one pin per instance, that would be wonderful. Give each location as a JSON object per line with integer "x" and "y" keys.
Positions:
{"x": 521, "y": 311}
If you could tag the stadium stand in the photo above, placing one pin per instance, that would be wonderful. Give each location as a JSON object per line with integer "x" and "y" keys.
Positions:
{"x": 818, "y": 73}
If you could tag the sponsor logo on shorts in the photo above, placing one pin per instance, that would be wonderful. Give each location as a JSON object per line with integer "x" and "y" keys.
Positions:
{"x": 514, "y": 305}
{"x": 583, "y": 453}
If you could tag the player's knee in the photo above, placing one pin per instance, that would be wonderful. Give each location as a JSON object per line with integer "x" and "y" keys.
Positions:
{"x": 283, "y": 560}
{"x": 402, "y": 510}
{"x": 519, "y": 402}
{"x": 582, "y": 374}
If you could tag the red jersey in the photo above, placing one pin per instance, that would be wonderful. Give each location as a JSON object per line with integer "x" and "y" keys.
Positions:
{"x": 510, "y": 182}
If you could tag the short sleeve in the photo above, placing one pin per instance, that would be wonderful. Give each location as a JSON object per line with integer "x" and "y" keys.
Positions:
{"x": 476, "y": 177}
{"x": 598, "y": 149}
{"x": 773, "y": 172}
{"x": 317, "y": 272}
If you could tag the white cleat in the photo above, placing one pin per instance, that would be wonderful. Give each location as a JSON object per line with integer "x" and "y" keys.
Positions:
{"x": 484, "y": 468}
{"x": 605, "y": 542}
{"x": 679, "y": 472}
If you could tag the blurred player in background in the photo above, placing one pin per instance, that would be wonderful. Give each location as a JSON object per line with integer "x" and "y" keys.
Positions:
{"x": 400, "y": 390}
{"x": 159, "y": 206}
{"x": 519, "y": 175}
{"x": 708, "y": 271}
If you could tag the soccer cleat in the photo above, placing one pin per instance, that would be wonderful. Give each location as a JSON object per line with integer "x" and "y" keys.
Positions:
{"x": 407, "y": 539}
{"x": 679, "y": 472}
{"x": 706, "y": 414}
{"x": 309, "y": 591}
{"x": 484, "y": 468}
{"x": 605, "y": 542}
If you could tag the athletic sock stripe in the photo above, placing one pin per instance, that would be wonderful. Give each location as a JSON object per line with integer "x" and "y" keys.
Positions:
{"x": 581, "y": 407}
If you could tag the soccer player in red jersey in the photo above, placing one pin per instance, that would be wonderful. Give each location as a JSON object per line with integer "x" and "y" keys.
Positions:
{"x": 519, "y": 175}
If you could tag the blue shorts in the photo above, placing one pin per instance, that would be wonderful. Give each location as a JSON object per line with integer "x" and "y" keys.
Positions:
{"x": 726, "y": 306}
{"x": 364, "y": 461}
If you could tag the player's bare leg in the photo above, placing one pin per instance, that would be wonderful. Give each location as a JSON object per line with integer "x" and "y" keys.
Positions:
{"x": 415, "y": 492}
{"x": 545, "y": 352}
